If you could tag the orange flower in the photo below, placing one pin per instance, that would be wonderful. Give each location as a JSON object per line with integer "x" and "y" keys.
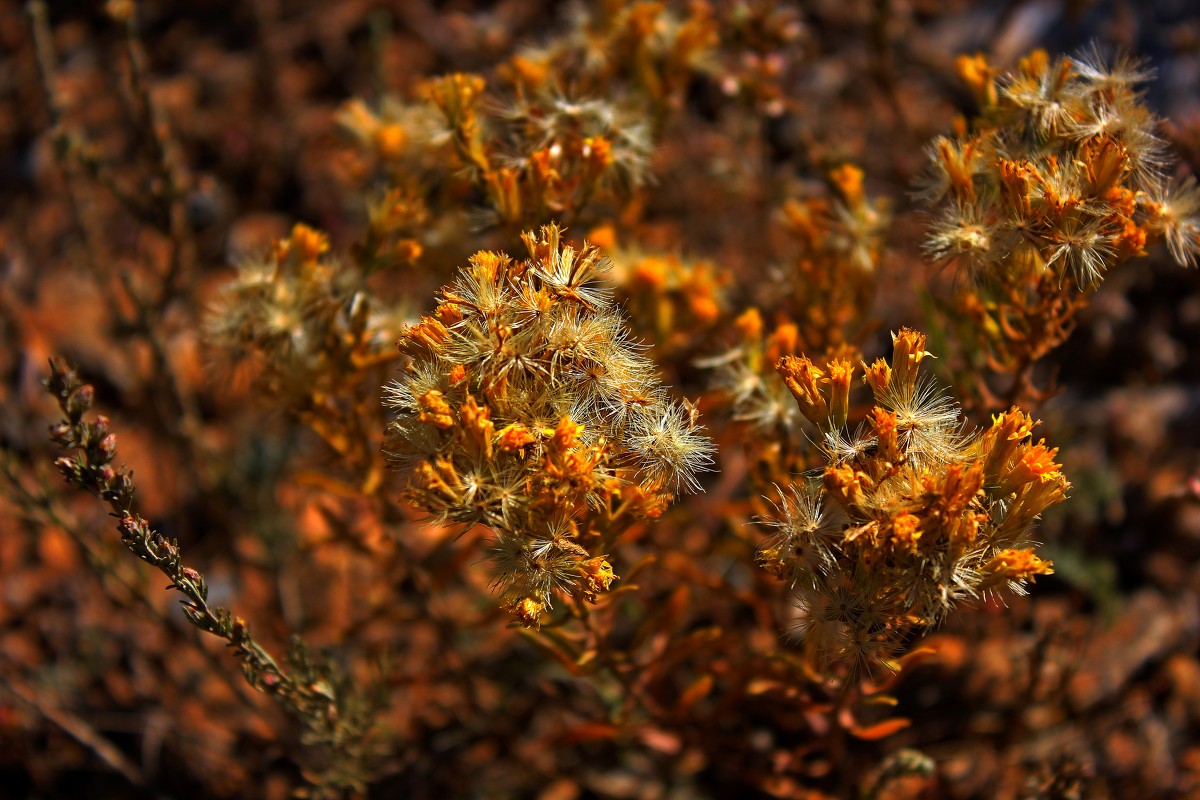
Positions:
{"x": 783, "y": 341}
{"x": 514, "y": 437}
{"x": 878, "y": 376}
{"x": 975, "y": 72}
{"x": 597, "y": 576}
{"x": 1016, "y": 566}
{"x": 390, "y": 141}
{"x": 906, "y": 531}
{"x": 884, "y": 423}
{"x": 1033, "y": 464}
{"x": 435, "y": 410}
{"x": 407, "y": 250}
{"x": 598, "y": 152}
{"x": 652, "y": 273}
{"x": 565, "y": 435}
{"x": 1001, "y": 440}
{"x": 308, "y": 243}
{"x": 705, "y": 309}
{"x": 801, "y": 377}
{"x": 528, "y": 611}
{"x": 849, "y": 181}
{"x": 428, "y": 332}
{"x": 847, "y": 486}
{"x": 749, "y": 325}
{"x": 839, "y": 377}
{"x": 476, "y": 421}
{"x": 908, "y": 348}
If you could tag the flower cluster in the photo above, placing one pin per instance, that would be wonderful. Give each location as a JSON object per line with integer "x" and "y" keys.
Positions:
{"x": 525, "y": 407}
{"x": 310, "y": 319}
{"x": 911, "y": 513}
{"x": 1060, "y": 178}
{"x": 837, "y": 242}
{"x": 544, "y": 154}
{"x": 674, "y": 301}
{"x": 647, "y": 50}
{"x": 824, "y": 296}
{"x": 561, "y": 131}
{"x": 534, "y": 154}
{"x": 1063, "y": 173}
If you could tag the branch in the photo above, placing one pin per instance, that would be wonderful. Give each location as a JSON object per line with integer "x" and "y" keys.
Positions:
{"x": 330, "y": 712}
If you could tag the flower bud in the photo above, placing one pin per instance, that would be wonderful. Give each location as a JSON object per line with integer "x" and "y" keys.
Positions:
{"x": 528, "y": 611}
{"x": 60, "y": 434}
{"x": 129, "y": 528}
{"x": 80, "y": 402}
{"x": 107, "y": 448}
{"x": 598, "y": 575}
{"x": 67, "y": 467}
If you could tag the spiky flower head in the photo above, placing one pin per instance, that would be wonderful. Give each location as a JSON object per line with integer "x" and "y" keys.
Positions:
{"x": 1062, "y": 173}
{"x": 911, "y": 514}
{"x": 309, "y": 320}
{"x": 525, "y": 406}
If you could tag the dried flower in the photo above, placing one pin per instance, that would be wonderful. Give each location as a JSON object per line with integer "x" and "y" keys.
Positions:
{"x": 1063, "y": 171}
{"x": 525, "y": 407}
{"x": 911, "y": 515}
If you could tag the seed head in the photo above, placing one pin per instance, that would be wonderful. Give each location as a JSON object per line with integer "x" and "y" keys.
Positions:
{"x": 525, "y": 406}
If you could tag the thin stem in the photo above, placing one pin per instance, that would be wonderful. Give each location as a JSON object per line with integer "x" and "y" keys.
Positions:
{"x": 46, "y": 505}
{"x": 77, "y": 729}
{"x": 311, "y": 693}
{"x": 837, "y": 733}
{"x": 631, "y": 692}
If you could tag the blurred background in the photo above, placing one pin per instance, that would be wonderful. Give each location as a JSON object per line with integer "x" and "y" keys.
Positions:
{"x": 1089, "y": 688}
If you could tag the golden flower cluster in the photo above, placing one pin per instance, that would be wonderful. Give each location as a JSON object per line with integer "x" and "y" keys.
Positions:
{"x": 911, "y": 513}
{"x": 1062, "y": 174}
{"x": 1061, "y": 178}
{"x": 676, "y": 302}
{"x": 835, "y": 244}
{"x": 309, "y": 318}
{"x": 558, "y": 132}
{"x": 524, "y": 406}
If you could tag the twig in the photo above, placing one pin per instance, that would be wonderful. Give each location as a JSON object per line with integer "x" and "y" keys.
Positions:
{"x": 43, "y": 46}
{"x": 312, "y": 693}
{"x": 77, "y": 729}
{"x": 46, "y": 505}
